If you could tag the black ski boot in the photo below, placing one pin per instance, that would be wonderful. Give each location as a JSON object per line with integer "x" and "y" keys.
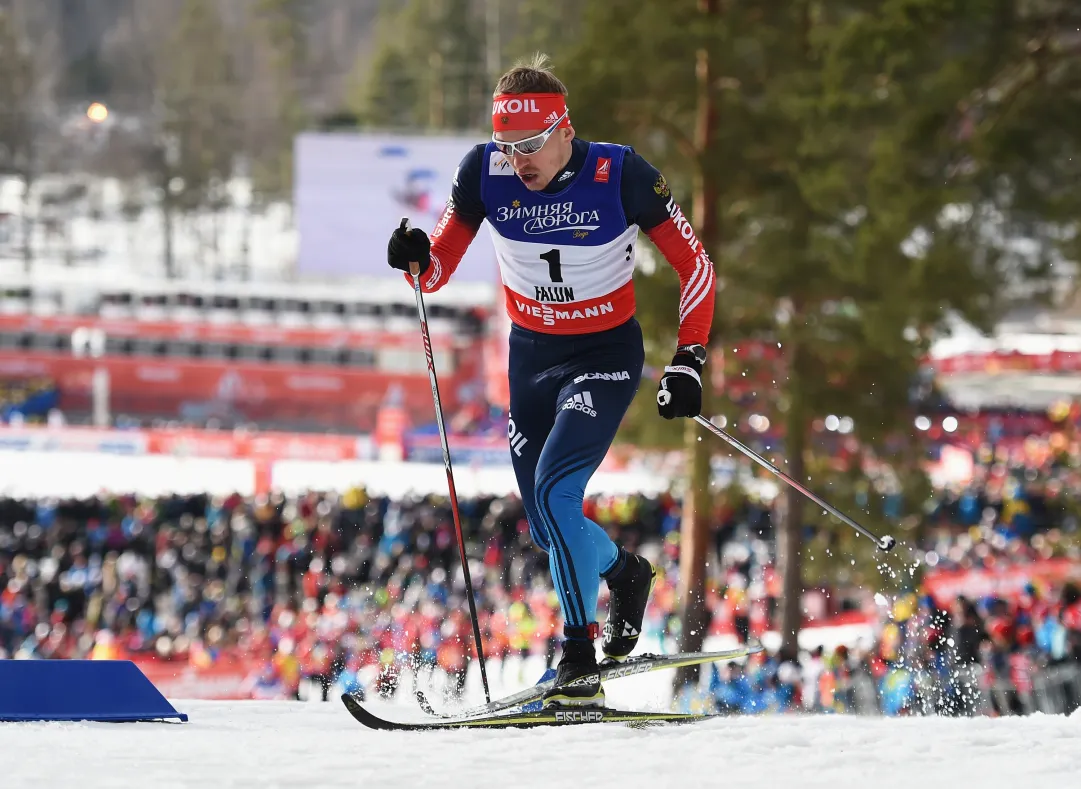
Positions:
{"x": 630, "y": 583}
{"x": 578, "y": 680}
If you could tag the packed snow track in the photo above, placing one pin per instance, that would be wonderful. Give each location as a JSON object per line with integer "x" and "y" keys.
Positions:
{"x": 289, "y": 744}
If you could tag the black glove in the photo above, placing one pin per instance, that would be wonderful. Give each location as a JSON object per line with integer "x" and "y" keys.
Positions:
{"x": 680, "y": 391}
{"x": 409, "y": 245}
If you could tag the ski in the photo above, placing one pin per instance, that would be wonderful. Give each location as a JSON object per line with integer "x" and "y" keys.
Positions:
{"x": 524, "y": 720}
{"x": 640, "y": 664}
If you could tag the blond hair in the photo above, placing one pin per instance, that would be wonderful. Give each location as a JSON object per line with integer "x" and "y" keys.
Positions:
{"x": 530, "y": 75}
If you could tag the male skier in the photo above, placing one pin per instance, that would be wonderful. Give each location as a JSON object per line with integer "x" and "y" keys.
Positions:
{"x": 564, "y": 215}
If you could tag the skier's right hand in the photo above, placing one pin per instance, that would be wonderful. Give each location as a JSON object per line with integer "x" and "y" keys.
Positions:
{"x": 680, "y": 391}
{"x": 409, "y": 245}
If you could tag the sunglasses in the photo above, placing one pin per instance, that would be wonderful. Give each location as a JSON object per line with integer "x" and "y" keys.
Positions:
{"x": 530, "y": 145}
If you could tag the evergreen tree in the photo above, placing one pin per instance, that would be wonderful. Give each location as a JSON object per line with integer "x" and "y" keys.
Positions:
{"x": 18, "y": 135}
{"x": 428, "y": 70}
{"x": 282, "y": 52}
{"x": 201, "y": 136}
{"x": 830, "y": 159}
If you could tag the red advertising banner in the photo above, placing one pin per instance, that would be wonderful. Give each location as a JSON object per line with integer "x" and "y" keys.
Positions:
{"x": 1009, "y": 361}
{"x": 1007, "y": 582}
{"x": 258, "y": 446}
{"x": 227, "y": 680}
{"x": 750, "y": 351}
{"x": 225, "y": 333}
{"x": 144, "y": 385}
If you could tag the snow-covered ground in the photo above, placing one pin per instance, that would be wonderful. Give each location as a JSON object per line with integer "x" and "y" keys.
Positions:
{"x": 287, "y": 744}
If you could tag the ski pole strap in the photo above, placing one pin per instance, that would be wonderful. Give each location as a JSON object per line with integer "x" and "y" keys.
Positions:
{"x": 685, "y": 370}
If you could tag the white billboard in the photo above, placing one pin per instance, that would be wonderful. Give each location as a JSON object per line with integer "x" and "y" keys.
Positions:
{"x": 352, "y": 190}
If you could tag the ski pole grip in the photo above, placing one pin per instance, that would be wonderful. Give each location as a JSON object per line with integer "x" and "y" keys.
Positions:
{"x": 414, "y": 268}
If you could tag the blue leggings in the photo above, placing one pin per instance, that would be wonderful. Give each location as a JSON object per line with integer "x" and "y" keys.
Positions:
{"x": 568, "y": 395}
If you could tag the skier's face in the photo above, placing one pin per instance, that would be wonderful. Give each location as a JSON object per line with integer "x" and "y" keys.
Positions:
{"x": 536, "y": 170}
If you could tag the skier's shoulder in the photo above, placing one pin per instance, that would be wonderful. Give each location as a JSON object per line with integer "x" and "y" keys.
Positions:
{"x": 637, "y": 169}
{"x": 643, "y": 190}
{"x": 465, "y": 190}
{"x": 468, "y": 172}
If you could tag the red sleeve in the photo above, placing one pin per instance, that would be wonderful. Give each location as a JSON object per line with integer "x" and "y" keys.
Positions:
{"x": 676, "y": 240}
{"x": 450, "y": 239}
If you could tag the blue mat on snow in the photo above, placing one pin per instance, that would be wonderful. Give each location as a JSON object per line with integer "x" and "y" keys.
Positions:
{"x": 80, "y": 690}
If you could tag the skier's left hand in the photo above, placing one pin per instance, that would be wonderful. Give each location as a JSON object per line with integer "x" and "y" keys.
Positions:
{"x": 680, "y": 390}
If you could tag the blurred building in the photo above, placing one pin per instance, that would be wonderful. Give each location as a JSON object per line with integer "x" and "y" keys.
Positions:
{"x": 285, "y": 318}
{"x": 276, "y": 354}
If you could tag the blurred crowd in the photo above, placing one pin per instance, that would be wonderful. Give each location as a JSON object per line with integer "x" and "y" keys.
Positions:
{"x": 1015, "y": 517}
{"x": 991, "y": 656}
{"x": 311, "y": 585}
{"x": 349, "y": 589}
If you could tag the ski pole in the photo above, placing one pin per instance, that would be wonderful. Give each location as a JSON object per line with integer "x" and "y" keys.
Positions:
{"x": 885, "y": 543}
{"x": 414, "y": 271}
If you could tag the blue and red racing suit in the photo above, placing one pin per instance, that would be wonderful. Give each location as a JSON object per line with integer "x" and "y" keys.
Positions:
{"x": 566, "y": 257}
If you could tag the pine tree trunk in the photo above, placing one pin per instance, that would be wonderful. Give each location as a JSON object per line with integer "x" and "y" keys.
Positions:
{"x": 695, "y": 527}
{"x": 245, "y": 243}
{"x": 790, "y": 536}
{"x": 167, "y": 237}
{"x": 694, "y": 545}
{"x": 28, "y": 225}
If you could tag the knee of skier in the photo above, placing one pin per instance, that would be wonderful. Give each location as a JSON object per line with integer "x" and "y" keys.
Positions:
{"x": 560, "y": 492}
{"x": 559, "y": 499}
{"x": 538, "y": 532}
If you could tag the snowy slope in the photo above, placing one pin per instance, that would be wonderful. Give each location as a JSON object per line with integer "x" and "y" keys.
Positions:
{"x": 288, "y": 744}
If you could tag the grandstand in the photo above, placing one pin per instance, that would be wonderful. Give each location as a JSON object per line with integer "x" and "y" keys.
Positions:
{"x": 238, "y": 352}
